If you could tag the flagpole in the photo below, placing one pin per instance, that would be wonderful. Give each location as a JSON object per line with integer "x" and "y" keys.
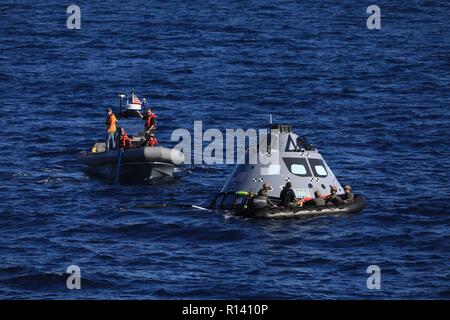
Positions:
{"x": 121, "y": 96}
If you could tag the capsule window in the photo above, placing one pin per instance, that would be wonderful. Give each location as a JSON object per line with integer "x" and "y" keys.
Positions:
{"x": 320, "y": 170}
{"x": 298, "y": 169}
{"x": 297, "y": 166}
{"x": 318, "y": 167}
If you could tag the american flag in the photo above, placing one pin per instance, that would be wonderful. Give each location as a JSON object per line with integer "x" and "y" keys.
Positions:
{"x": 135, "y": 99}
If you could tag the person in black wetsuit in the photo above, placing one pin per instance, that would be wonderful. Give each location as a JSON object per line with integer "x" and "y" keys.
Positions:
{"x": 264, "y": 193}
{"x": 348, "y": 196}
{"x": 287, "y": 196}
{"x": 318, "y": 200}
{"x": 334, "y": 198}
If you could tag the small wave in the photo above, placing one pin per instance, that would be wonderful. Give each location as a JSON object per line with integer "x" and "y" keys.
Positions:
{"x": 48, "y": 280}
{"x": 21, "y": 174}
{"x": 45, "y": 181}
{"x": 183, "y": 71}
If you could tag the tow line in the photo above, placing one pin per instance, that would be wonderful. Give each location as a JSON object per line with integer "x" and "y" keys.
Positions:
{"x": 170, "y": 205}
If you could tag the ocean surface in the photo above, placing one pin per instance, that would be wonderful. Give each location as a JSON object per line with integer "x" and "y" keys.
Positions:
{"x": 375, "y": 102}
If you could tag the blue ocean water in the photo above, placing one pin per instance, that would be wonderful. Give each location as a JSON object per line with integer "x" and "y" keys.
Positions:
{"x": 376, "y": 104}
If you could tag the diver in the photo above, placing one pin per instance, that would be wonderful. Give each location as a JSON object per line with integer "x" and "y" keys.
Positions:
{"x": 150, "y": 120}
{"x": 318, "y": 200}
{"x": 124, "y": 140}
{"x": 263, "y": 192}
{"x": 348, "y": 196}
{"x": 334, "y": 198}
{"x": 111, "y": 121}
{"x": 287, "y": 197}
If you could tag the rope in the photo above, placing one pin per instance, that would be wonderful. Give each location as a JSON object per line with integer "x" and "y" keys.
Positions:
{"x": 119, "y": 160}
{"x": 168, "y": 205}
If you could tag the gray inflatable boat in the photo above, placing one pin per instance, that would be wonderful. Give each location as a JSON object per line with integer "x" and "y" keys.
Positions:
{"x": 136, "y": 164}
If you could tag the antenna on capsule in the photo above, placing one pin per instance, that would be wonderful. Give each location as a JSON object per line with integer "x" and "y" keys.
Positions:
{"x": 269, "y": 135}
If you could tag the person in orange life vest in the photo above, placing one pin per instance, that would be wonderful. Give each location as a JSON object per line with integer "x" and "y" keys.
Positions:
{"x": 111, "y": 122}
{"x": 152, "y": 141}
{"x": 150, "y": 120}
{"x": 124, "y": 140}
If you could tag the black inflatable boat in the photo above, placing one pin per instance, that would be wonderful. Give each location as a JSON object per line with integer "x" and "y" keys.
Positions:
{"x": 244, "y": 204}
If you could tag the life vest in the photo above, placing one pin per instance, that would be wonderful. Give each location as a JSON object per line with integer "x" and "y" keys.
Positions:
{"x": 123, "y": 139}
{"x": 148, "y": 121}
{"x": 152, "y": 142}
